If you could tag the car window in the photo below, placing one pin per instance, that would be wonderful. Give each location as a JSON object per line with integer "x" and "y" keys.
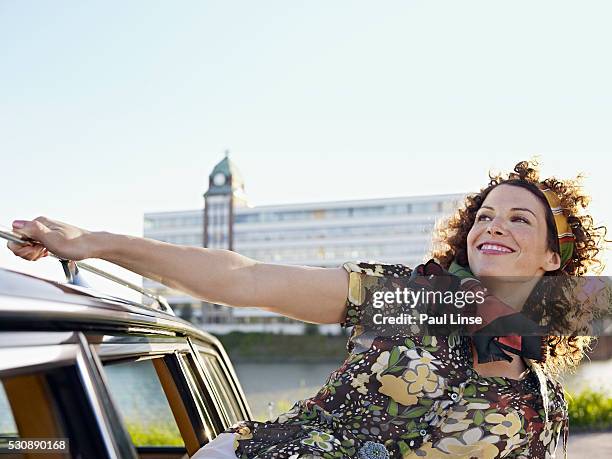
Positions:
{"x": 161, "y": 404}
{"x": 8, "y": 428}
{"x": 140, "y": 399}
{"x": 224, "y": 387}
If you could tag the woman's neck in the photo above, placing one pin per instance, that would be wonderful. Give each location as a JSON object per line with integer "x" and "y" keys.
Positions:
{"x": 514, "y": 292}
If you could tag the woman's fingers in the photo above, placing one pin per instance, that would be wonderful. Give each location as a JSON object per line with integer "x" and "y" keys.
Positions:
{"x": 13, "y": 246}
{"x": 28, "y": 251}
{"x": 25, "y": 252}
{"x": 16, "y": 247}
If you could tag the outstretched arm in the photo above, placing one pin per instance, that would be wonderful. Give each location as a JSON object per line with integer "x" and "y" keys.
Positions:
{"x": 309, "y": 294}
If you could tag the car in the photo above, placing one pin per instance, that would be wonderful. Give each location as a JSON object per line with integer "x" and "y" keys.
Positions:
{"x": 88, "y": 375}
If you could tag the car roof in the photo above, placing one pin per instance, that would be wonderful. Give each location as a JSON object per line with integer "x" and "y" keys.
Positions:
{"x": 31, "y": 302}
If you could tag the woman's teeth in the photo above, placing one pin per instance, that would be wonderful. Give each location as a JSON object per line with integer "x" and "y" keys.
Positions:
{"x": 495, "y": 248}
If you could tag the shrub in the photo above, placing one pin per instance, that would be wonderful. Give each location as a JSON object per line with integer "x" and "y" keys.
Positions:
{"x": 590, "y": 410}
{"x": 154, "y": 434}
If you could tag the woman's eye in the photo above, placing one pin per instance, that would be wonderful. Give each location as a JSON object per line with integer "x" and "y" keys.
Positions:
{"x": 487, "y": 217}
{"x": 522, "y": 219}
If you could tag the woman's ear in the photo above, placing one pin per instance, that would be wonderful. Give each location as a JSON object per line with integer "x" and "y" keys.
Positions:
{"x": 553, "y": 261}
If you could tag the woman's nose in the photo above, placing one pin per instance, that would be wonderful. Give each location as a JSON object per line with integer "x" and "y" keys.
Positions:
{"x": 495, "y": 228}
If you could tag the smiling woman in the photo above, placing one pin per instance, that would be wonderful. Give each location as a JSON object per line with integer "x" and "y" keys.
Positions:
{"x": 453, "y": 397}
{"x": 511, "y": 229}
{"x": 406, "y": 395}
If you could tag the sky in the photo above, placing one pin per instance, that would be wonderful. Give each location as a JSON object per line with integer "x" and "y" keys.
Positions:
{"x": 112, "y": 109}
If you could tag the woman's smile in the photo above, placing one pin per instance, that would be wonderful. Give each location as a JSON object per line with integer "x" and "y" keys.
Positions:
{"x": 494, "y": 248}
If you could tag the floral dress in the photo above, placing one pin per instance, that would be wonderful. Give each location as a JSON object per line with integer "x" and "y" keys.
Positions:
{"x": 407, "y": 396}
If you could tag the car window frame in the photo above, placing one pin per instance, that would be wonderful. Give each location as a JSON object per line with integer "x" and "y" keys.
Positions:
{"x": 243, "y": 411}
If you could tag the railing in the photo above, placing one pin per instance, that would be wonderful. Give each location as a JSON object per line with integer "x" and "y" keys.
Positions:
{"x": 74, "y": 277}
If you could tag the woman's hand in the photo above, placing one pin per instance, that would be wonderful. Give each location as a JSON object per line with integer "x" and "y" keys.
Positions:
{"x": 62, "y": 239}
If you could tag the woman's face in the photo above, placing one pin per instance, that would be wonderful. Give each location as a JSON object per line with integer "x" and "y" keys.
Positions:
{"x": 509, "y": 235}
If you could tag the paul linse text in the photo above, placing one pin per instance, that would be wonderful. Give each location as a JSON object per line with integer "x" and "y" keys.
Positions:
{"x": 426, "y": 319}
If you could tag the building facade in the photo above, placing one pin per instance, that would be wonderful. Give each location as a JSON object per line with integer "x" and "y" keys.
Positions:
{"x": 325, "y": 234}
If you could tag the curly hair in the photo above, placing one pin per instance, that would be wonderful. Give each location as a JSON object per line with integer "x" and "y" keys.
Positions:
{"x": 450, "y": 243}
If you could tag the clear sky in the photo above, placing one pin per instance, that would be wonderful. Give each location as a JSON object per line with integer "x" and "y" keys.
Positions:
{"x": 111, "y": 109}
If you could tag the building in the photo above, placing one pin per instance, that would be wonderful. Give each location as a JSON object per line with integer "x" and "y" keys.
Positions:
{"x": 326, "y": 234}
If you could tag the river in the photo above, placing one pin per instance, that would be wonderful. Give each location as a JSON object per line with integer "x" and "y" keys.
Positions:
{"x": 272, "y": 388}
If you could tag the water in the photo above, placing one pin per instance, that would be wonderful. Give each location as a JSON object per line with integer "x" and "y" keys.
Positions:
{"x": 138, "y": 392}
{"x": 280, "y": 385}
{"x": 284, "y": 384}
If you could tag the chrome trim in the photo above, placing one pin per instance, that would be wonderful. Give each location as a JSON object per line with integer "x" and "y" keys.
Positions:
{"x": 114, "y": 338}
{"x": 227, "y": 367}
{"x": 215, "y": 387}
{"x": 14, "y": 339}
{"x": 14, "y": 237}
{"x": 148, "y": 330}
{"x": 84, "y": 367}
{"x": 194, "y": 393}
{"x": 45, "y": 311}
{"x": 202, "y": 374}
{"x": 24, "y": 358}
{"x": 160, "y": 300}
{"x": 126, "y": 349}
{"x": 117, "y": 424}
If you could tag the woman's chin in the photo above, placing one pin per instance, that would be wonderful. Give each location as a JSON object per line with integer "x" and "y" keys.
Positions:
{"x": 491, "y": 268}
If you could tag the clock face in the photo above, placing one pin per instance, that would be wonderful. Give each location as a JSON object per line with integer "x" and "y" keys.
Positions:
{"x": 219, "y": 179}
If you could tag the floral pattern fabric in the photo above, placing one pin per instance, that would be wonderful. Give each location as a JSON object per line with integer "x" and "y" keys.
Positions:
{"x": 406, "y": 397}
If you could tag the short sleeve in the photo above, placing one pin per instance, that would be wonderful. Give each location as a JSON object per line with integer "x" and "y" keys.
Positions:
{"x": 364, "y": 279}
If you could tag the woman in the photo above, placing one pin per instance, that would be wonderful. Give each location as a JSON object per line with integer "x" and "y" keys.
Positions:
{"x": 399, "y": 395}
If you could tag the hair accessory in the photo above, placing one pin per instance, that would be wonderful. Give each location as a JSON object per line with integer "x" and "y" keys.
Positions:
{"x": 564, "y": 231}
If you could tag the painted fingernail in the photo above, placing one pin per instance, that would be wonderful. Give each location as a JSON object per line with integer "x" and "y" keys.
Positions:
{"x": 18, "y": 224}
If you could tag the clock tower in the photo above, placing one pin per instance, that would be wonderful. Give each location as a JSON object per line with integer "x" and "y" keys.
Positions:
{"x": 225, "y": 192}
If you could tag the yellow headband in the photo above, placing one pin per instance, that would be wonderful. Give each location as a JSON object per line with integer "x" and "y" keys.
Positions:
{"x": 564, "y": 230}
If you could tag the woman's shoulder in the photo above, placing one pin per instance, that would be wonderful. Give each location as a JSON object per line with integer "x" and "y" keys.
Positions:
{"x": 365, "y": 278}
{"x": 377, "y": 269}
